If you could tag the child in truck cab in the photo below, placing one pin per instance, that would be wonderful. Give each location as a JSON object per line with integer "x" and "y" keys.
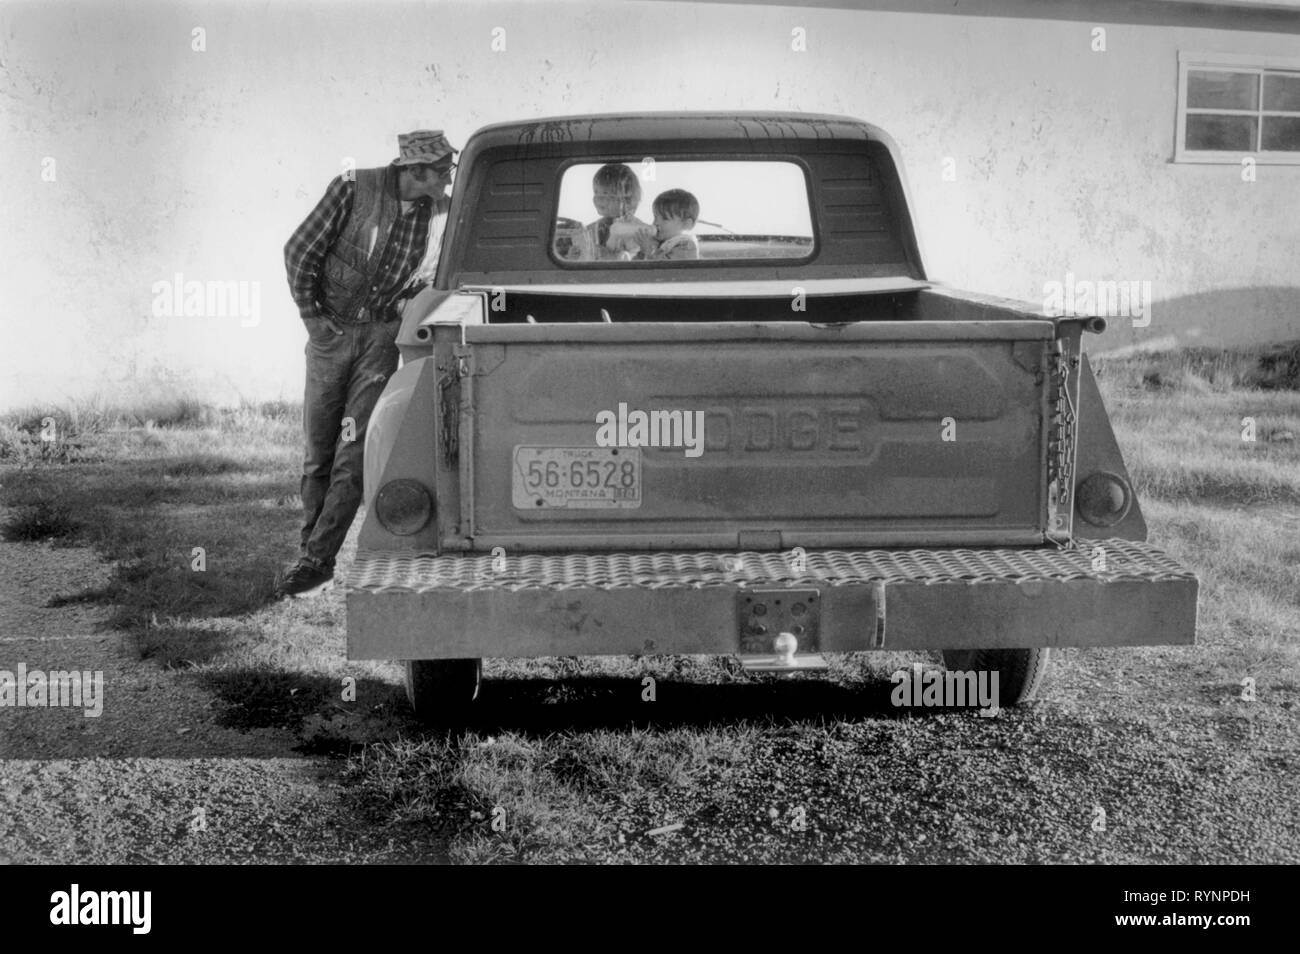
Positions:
{"x": 672, "y": 238}
{"x": 616, "y": 193}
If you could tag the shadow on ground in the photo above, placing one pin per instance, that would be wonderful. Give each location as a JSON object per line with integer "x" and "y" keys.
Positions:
{"x": 313, "y": 706}
{"x": 191, "y": 537}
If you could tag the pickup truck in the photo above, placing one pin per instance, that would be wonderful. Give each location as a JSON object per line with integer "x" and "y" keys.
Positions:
{"x": 789, "y": 443}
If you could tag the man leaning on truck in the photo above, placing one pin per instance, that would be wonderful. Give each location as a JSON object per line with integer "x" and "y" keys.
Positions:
{"x": 365, "y": 247}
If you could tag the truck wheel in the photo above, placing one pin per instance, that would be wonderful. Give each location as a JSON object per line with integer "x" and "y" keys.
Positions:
{"x": 1020, "y": 671}
{"x": 442, "y": 689}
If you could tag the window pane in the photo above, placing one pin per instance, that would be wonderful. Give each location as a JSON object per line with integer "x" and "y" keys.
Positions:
{"x": 709, "y": 210}
{"x": 1281, "y": 91}
{"x": 1282, "y": 133}
{"x": 1235, "y": 133}
{"x": 1214, "y": 90}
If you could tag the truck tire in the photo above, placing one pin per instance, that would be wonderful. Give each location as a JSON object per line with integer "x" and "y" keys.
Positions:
{"x": 441, "y": 690}
{"x": 1020, "y": 671}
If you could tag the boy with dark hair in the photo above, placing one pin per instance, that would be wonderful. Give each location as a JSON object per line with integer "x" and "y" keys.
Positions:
{"x": 676, "y": 212}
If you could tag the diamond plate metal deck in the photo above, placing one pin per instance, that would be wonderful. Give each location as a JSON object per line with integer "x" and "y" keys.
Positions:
{"x": 1126, "y": 561}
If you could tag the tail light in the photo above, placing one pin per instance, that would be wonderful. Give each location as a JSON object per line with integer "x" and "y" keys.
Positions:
{"x": 404, "y": 506}
{"x": 1104, "y": 499}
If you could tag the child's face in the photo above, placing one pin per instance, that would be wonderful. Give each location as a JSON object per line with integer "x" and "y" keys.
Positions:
{"x": 612, "y": 204}
{"x": 666, "y": 228}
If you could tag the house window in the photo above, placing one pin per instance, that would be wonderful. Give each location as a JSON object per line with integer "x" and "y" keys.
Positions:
{"x": 1230, "y": 107}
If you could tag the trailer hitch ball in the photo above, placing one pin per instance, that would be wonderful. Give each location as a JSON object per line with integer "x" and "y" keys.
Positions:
{"x": 786, "y": 644}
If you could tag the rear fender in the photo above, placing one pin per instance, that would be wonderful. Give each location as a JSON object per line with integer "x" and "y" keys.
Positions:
{"x": 1098, "y": 451}
{"x": 401, "y": 443}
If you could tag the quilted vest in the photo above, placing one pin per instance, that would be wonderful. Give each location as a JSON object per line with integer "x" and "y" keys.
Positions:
{"x": 353, "y": 261}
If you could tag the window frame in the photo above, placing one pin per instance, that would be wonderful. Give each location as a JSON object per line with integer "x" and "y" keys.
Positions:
{"x": 1231, "y": 63}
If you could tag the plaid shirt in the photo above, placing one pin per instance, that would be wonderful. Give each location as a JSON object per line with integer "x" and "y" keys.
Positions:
{"x": 304, "y": 255}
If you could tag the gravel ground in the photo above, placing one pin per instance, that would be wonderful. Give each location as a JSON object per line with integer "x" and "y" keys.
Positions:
{"x": 155, "y": 778}
{"x": 1024, "y": 788}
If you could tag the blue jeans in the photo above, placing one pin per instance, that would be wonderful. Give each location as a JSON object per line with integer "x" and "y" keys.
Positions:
{"x": 345, "y": 375}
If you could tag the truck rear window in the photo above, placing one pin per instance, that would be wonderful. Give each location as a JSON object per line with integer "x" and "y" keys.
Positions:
{"x": 650, "y": 213}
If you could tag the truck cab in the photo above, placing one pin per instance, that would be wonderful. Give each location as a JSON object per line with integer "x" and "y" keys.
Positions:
{"x": 792, "y": 442}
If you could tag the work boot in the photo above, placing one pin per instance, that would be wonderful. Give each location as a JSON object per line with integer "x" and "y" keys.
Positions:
{"x": 306, "y": 579}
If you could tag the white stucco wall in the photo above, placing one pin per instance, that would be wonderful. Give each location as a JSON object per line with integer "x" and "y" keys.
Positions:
{"x": 169, "y": 160}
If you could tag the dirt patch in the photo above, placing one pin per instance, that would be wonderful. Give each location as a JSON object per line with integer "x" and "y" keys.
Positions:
{"x": 145, "y": 711}
{"x": 159, "y": 776}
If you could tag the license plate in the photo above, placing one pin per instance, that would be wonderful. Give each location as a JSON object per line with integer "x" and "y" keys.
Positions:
{"x": 576, "y": 478}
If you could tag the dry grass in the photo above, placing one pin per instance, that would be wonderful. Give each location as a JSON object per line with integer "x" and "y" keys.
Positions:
{"x": 1226, "y": 506}
{"x": 1186, "y": 445}
{"x": 1273, "y": 368}
{"x": 556, "y": 796}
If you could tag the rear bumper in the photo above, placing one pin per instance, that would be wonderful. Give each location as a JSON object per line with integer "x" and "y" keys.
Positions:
{"x": 404, "y": 606}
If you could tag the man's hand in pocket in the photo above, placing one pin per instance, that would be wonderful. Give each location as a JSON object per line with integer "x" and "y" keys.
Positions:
{"x": 317, "y": 326}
